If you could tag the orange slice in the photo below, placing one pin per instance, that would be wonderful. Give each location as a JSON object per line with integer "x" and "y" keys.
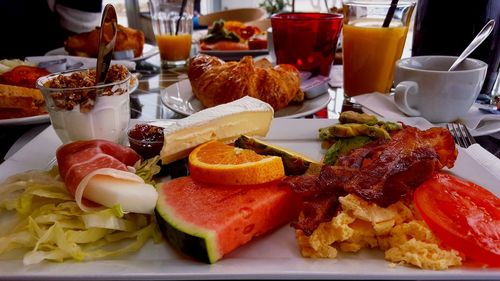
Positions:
{"x": 219, "y": 163}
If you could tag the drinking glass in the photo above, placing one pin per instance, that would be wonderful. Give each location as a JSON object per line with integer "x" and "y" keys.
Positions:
{"x": 88, "y": 112}
{"x": 172, "y": 22}
{"x": 372, "y": 44}
{"x": 306, "y": 40}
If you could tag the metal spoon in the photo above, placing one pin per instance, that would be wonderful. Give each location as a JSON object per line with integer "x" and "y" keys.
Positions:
{"x": 483, "y": 34}
{"x": 105, "y": 53}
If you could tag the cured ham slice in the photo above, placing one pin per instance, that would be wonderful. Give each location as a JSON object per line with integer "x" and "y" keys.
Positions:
{"x": 97, "y": 172}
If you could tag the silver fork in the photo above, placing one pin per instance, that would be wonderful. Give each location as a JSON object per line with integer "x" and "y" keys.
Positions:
{"x": 461, "y": 134}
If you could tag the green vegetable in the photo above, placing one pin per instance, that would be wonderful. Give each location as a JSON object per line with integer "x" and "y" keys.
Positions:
{"x": 147, "y": 169}
{"x": 343, "y": 147}
{"x": 294, "y": 163}
{"x": 352, "y": 130}
{"x": 355, "y": 117}
{"x": 392, "y": 126}
{"x": 218, "y": 33}
{"x": 41, "y": 217}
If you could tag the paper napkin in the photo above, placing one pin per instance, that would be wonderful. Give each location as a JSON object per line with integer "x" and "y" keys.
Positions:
{"x": 74, "y": 60}
{"x": 478, "y": 122}
{"x": 484, "y": 158}
{"x": 336, "y": 76}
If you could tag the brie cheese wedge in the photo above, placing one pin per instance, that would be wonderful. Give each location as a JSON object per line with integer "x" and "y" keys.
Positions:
{"x": 226, "y": 122}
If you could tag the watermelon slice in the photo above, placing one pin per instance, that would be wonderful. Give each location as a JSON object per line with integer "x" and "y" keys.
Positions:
{"x": 208, "y": 221}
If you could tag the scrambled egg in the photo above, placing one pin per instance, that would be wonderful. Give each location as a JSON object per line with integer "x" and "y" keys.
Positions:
{"x": 397, "y": 230}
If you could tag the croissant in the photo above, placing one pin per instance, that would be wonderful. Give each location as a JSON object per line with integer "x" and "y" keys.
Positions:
{"x": 86, "y": 44}
{"x": 216, "y": 82}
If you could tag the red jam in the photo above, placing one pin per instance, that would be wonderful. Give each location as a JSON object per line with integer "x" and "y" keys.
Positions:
{"x": 146, "y": 140}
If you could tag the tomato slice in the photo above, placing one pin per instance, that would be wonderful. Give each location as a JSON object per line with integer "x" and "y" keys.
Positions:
{"x": 463, "y": 215}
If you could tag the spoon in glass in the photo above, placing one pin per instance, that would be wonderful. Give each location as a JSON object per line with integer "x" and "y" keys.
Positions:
{"x": 106, "y": 46}
{"x": 480, "y": 37}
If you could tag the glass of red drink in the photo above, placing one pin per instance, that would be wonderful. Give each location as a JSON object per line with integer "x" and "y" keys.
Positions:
{"x": 306, "y": 40}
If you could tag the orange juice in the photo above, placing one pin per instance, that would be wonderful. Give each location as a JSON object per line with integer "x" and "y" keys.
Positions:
{"x": 174, "y": 47}
{"x": 369, "y": 54}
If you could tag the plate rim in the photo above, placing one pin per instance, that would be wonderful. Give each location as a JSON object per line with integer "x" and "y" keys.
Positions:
{"x": 29, "y": 120}
{"x": 164, "y": 93}
{"x": 233, "y": 55}
{"x": 146, "y": 54}
{"x": 258, "y": 51}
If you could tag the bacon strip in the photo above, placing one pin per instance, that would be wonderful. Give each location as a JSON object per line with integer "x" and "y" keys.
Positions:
{"x": 383, "y": 172}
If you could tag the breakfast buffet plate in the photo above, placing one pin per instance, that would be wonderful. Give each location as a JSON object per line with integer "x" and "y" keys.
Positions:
{"x": 179, "y": 98}
{"x": 147, "y": 52}
{"x": 272, "y": 256}
{"x": 234, "y": 55}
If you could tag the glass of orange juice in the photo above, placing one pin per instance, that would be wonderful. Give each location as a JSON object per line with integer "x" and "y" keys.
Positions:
{"x": 172, "y": 22}
{"x": 374, "y": 35}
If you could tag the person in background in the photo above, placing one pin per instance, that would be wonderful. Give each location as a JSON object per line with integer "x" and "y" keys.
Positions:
{"x": 32, "y": 28}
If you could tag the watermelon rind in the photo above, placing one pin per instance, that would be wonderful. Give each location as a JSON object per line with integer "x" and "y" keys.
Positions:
{"x": 192, "y": 240}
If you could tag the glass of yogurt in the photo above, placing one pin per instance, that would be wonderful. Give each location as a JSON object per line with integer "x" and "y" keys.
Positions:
{"x": 81, "y": 110}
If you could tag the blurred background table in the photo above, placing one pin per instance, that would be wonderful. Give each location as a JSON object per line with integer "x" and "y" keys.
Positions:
{"x": 146, "y": 104}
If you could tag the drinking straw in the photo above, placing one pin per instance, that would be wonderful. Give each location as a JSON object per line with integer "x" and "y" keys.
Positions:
{"x": 293, "y": 6}
{"x": 390, "y": 13}
{"x": 181, "y": 13}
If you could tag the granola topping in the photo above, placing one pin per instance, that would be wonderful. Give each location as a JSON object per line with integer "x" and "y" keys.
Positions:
{"x": 86, "y": 96}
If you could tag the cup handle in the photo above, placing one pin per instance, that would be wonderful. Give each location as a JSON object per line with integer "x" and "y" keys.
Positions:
{"x": 402, "y": 91}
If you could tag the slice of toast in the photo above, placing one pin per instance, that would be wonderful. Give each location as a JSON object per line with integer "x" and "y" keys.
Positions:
{"x": 20, "y": 102}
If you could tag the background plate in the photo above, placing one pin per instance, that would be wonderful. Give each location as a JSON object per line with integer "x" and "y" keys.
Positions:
{"x": 235, "y": 55}
{"x": 147, "y": 52}
{"x": 179, "y": 98}
{"x": 31, "y": 120}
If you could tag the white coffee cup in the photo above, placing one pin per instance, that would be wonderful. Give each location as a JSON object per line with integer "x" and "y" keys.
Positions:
{"x": 425, "y": 87}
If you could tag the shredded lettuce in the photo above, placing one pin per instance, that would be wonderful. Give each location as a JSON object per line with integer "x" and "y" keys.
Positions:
{"x": 147, "y": 169}
{"x": 48, "y": 224}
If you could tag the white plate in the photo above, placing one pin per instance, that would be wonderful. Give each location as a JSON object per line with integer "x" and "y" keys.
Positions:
{"x": 147, "y": 52}
{"x": 31, "y": 120}
{"x": 179, "y": 98}
{"x": 235, "y": 55}
{"x": 273, "y": 256}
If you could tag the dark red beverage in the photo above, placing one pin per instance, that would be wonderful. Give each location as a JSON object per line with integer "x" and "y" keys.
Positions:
{"x": 306, "y": 40}
{"x": 446, "y": 27}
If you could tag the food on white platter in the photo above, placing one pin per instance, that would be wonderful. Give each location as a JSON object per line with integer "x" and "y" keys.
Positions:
{"x": 225, "y": 122}
{"x": 41, "y": 221}
{"x": 215, "y": 82}
{"x": 86, "y": 44}
{"x": 368, "y": 197}
{"x": 18, "y": 94}
{"x": 98, "y": 173}
{"x": 208, "y": 221}
{"x": 388, "y": 192}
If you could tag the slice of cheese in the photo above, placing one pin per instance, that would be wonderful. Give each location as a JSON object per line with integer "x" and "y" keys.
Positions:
{"x": 135, "y": 197}
{"x": 109, "y": 187}
{"x": 224, "y": 122}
